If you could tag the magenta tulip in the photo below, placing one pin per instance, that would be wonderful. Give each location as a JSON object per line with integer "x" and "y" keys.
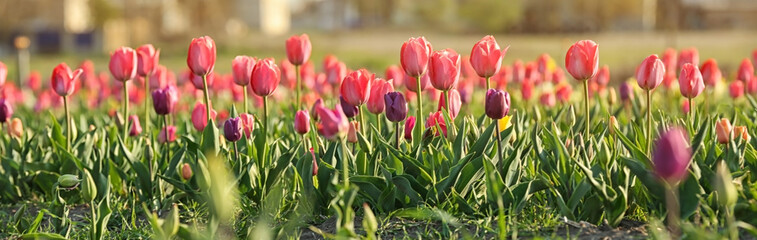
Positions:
{"x": 302, "y": 122}
{"x": 414, "y": 56}
{"x": 265, "y": 77}
{"x": 123, "y": 64}
{"x": 444, "y": 69}
{"x": 298, "y": 49}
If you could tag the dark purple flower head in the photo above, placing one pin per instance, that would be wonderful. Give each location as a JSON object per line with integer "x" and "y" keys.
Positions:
{"x": 497, "y": 103}
{"x": 232, "y": 129}
{"x": 349, "y": 110}
{"x": 396, "y": 106}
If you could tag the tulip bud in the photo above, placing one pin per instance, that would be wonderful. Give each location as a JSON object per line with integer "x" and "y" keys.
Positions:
{"x": 741, "y": 131}
{"x": 497, "y": 103}
{"x": 6, "y": 110}
{"x": 454, "y": 101}
{"x": 723, "y": 131}
{"x": 186, "y": 172}
{"x": 315, "y": 162}
{"x": 136, "y": 128}
{"x": 571, "y": 116}
{"x": 302, "y": 122}
{"x": 3, "y": 73}
{"x": 379, "y": 88}
{"x": 626, "y": 92}
{"x": 201, "y": 56}
{"x": 88, "y": 188}
{"x": 672, "y": 155}
{"x": 547, "y": 99}
{"x": 148, "y": 152}
{"x": 650, "y": 73}
{"x": 612, "y": 97}
{"x": 147, "y": 59}
{"x": 690, "y": 81}
{"x": 746, "y": 71}
{"x": 711, "y": 73}
{"x": 68, "y": 181}
{"x": 414, "y": 56}
{"x": 298, "y": 49}
{"x": 736, "y": 89}
{"x": 396, "y": 106}
{"x": 352, "y": 134}
{"x": 317, "y": 104}
{"x": 123, "y": 64}
{"x": 241, "y": 68}
{"x": 167, "y": 133}
{"x": 233, "y": 129}
{"x": 356, "y": 87}
{"x": 265, "y": 77}
{"x": 409, "y": 125}
{"x": 349, "y": 110}
{"x": 724, "y": 188}
{"x": 16, "y": 128}
{"x": 563, "y": 93}
{"x": 164, "y": 100}
{"x": 248, "y": 123}
{"x": 582, "y": 60}
{"x": 613, "y": 125}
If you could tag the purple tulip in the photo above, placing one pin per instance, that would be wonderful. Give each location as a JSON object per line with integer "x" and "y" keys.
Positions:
{"x": 6, "y": 111}
{"x": 232, "y": 129}
{"x": 396, "y": 106}
{"x": 672, "y": 155}
{"x": 164, "y": 100}
{"x": 349, "y": 110}
{"x": 626, "y": 92}
{"x": 497, "y": 103}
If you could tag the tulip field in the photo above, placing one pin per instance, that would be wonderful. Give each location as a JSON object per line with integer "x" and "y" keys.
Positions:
{"x": 443, "y": 144}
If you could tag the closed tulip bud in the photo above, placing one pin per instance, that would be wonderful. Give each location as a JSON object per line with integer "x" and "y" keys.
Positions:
{"x": 186, "y": 171}
{"x": 164, "y": 100}
{"x": 497, "y": 103}
{"x": 711, "y": 73}
{"x": 167, "y": 134}
{"x": 414, "y": 56}
{"x": 298, "y": 49}
{"x": 396, "y": 106}
{"x": 672, "y": 155}
{"x": 723, "y": 185}
{"x": 612, "y": 97}
{"x": 201, "y": 56}
{"x": 233, "y": 129}
{"x": 16, "y": 128}
{"x": 613, "y": 124}
{"x": 356, "y": 87}
{"x": 379, "y": 88}
{"x": 571, "y": 116}
{"x": 436, "y": 124}
{"x": 563, "y": 92}
{"x": 248, "y": 123}
{"x": 741, "y": 131}
{"x": 352, "y": 133}
{"x": 650, "y": 73}
{"x": 409, "y": 125}
{"x": 68, "y": 181}
{"x": 412, "y": 85}
{"x": 348, "y": 109}
{"x": 241, "y": 69}
{"x": 317, "y": 104}
{"x": 136, "y": 128}
{"x": 723, "y": 131}
{"x": 746, "y": 71}
{"x": 486, "y": 57}
{"x": 333, "y": 125}
{"x": 582, "y": 60}
{"x": 88, "y": 188}
{"x": 454, "y": 101}
{"x": 123, "y": 64}
{"x": 547, "y": 99}
{"x": 147, "y": 59}
{"x": 3, "y": 73}
{"x": 395, "y": 75}
{"x": 626, "y": 92}
{"x": 6, "y": 110}
{"x": 444, "y": 69}
{"x": 302, "y": 122}
{"x": 265, "y": 77}
{"x": 63, "y": 81}
{"x": 691, "y": 82}
{"x": 200, "y": 117}
{"x": 736, "y": 89}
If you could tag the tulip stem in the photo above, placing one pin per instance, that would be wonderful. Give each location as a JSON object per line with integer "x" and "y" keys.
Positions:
{"x": 207, "y": 97}
{"x": 378, "y": 123}
{"x": 345, "y": 161}
{"x": 499, "y": 142}
{"x": 126, "y": 110}
{"x": 244, "y": 91}
{"x": 588, "y": 118}
{"x": 265, "y": 120}
{"x": 168, "y": 140}
{"x": 362, "y": 120}
{"x": 671, "y": 204}
{"x": 147, "y": 109}
{"x": 397, "y": 134}
{"x": 449, "y": 114}
{"x": 236, "y": 150}
{"x": 419, "y": 118}
{"x": 299, "y": 85}
{"x": 649, "y": 123}
{"x": 691, "y": 112}
{"x": 488, "y": 85}
{"x": 68, "y": 123}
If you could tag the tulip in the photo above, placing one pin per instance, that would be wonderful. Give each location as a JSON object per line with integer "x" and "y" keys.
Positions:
{"x": 164, "y": 100}
{"x": 395, "y": 75}
{"x": 241, "y": 68}
{"x": 335, "y": 70}
{"x": 34, "y": 81}
{"x": 746, "y": 71}
{"x": 302, "y": 122}
{"x": 317, "y": 104}
{"x": 186, "y": 172}
{"x": 691, "y": 82}
{"x": 233, "y": 129}
{"x": 486, "y": 58}
{"x": 613, "y": 124}
{"x": 315, "y": 162}
{"x": 685, "y": 107}
{"x": 16, "y": 128}
{"x": 672, "y": 155}
{"x": 201, "y": 56}
{"x": 248, "y": 123}
{"x": 497, "y": 103}
{"x": 333, "y": 125}
{"x": 414, "y": 56}
{"x": 199, "y": 118}
{"x": 582, "y": 62}
{"x": 63, "y": 82}
{"x": 6, "y": 110}
{"x": 444, "y": 69}
{"x": 147, "y": 59}
{"x": 379, "y": 88}
{"x": 167, "y": 133}
{"x": 410, "y": 83}
{"x": 690, "y": 55}
{"x": 435, "y": 122}
{"x": 135, "y": 129}
{"x": 409, "y": 125}
{"x": 349, "y": 110}
{"x": 396, "y": 111}
{"x": 736, "y": 89}
{"x": 159, "y": 77}
{"x": 612, "y": 97}
{"x": 563, "y": 93}
{"x": 265, "y": 77}
{"x": 544, "y": 66}
{"x": 454, "y": 102}
{"x": 547, "y": 99}
{"x": 356, "y": 87}
{"x": 123, "y": 64}
{"x": 3, "y": 73}
{"x": 519, "y": 71}
{"x": 711, "y": 73}
{"x": 723, "y": 131}
{"x": 626, "y": 92}
{"x": 670, "y": 60}
{"x": 603, "y": 77}
{"x": 298, "y": 50}
{"x": 738, "y": 131}
{"x": 649, "y": 75}
{"x": 352, "y": 133}
{"x": 751, "y": 86}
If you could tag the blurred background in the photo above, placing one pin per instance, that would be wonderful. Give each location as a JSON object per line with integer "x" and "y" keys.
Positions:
{"x": 369, "y": 33}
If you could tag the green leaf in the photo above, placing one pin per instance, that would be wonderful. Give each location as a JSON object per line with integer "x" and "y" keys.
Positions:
{"x": 211, "y": 138}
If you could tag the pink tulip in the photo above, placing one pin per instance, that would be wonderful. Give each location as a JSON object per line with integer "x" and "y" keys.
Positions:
{"x": 356, "y": 87}
{"x": 691, "y": 82}
{"x": 670, "y": 60}
{"x": 63, "y": 80}
{"x": 248, "y": 123}
{"x": 711, "y": 73}
{"x": 603, "y": 77}
{"x": 486, "y": 57}
{"x": 736, "y": 89}
{"x": 171, "y": 134}
{"x": 379, "y": 88}
{"x": 241, "y": 69}
{"x": 414, "y": 56}
{"x": 302, "y": 122}
{"x": 265, "y": 77}
{"x": 123, "y": 64}
{"x": 409, "y": 125}
{"x": 454, "y": 102}
{"x": 201, "y": 56}
{"x": 159, "y": 77}
{"x": 436, "y": 123}
{"x": 288, "y": 74}
{"x": 410, "y": 83}
{"x": 298, "y": 49}
{"x": 650, "y": 73}
{"x": 444, "y": 69}
{"x": 542, "y": 66}
{"x": 751, "y": 86}
{"x": 689, "y": 55}
{"x": 3, "y": 73}
{"x": 135, "y": 129}
{"x": 335, "y": 70}
{"x": 746, "y": 71}
{"x": 582, "y": 60}
{"x": 519, "y": 71}
{"x": 147, "y": 59}
{"x": 526, "y": 90}
{"x": 197, "y": 80}
{"x": 558, "y": 76}
{"x": 685, "y": 108}
{"x": 333, "y": 125}
{"x": 547, "y": 99}
{"x": 395, "y": 75}
{"x": 199, "y": 116}
{"x": 34, "y": 81}
{"x": 563, "y": 93}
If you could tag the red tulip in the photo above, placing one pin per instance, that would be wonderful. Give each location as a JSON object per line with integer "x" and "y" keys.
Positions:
{"x": 454, "y": 102}
{"x": 558, "y": 76}
{"x": 241, "y": 69}
{"x": 147, "y": 59}
{"x": 411, "y": 85}
{"x": 436, "y": 123}
{"x": 298, "y": 49}
{"x": 563, "y": 93}
{"x": 582, "y": 59}
{"x": 265, "y": 77}
{"x": 34, "y": 81}
{"x": 650, "y": 73}
{"x": 691, "y": 82}
{"x": 736, "y": 89}
{"x": 335, "y": 70}
{"x": 333, "y": 124}
{"x": 3, "y": 73}
{"x": 751, "y": 86}
{"x": 526, "y": 90}
{"x": 603, "y": 77}
{"x": 302, "y": 122}
{"x": 395, "y": 75}
{"x": 486, "y": 57}
{"x": 746, "y": 71}
{"x": 63, "y": 79}
{"x": 123, "y": 64}
{"x": 414, "y": 56}
{"x": 135, "y": 129}
{"x": 531, "y": 74}
{"x": 409, "y": 125}
{"x": 444, "y": 69}
{"x": 542, "y": 66}
{"x": 670, "y": 60}
{"x": 201, "y": 56}
{"x": 519, "y": 71}
{"x": 689, "y": 55}
{"x": 171, "y": 134}
{"x": 248, "y": 123}
{"x": 547, "y": 99}
{"x": 356, "y": 87}
{"x": 711, "y": 73}
{"x": 379, "y": 88}
{"x": 199, "y": 116}
{"x": 159, "y": 77}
